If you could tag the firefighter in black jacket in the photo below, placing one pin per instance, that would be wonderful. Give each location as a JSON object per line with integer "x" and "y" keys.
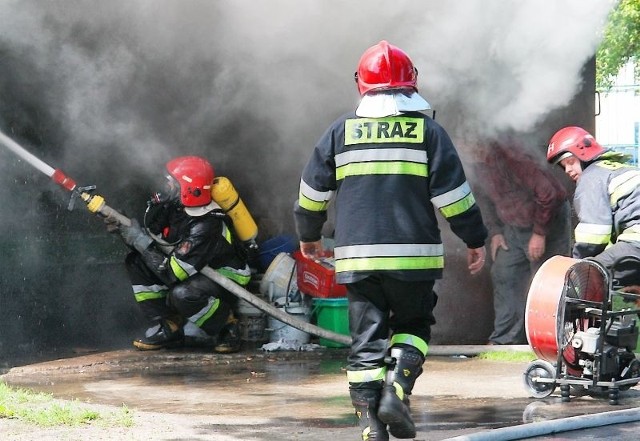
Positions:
{"x": 386, "y": 167}
{"x": 185, "y": 230}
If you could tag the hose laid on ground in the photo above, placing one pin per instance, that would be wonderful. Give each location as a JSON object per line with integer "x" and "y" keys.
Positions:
{"x": 552, "y": 426}
{"x": 274, "y": 312}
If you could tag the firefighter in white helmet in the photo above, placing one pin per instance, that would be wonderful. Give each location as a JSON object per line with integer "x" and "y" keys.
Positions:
{"x": 387, "y": 167}
{"x": 606, "y": 200}
{"x": 185, "y": 230}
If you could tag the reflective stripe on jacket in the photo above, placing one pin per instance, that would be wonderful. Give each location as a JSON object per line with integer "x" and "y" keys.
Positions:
{"x": 607, "y": 202}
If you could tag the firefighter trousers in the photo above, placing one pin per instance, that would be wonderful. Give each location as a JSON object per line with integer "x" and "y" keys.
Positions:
{"x": 197, "y": 299}
{"x": 622, "y": 259}
{"x": 381, "y": 306}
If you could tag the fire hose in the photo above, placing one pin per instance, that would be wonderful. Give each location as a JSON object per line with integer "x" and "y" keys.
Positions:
{"x": 96, "y": 204}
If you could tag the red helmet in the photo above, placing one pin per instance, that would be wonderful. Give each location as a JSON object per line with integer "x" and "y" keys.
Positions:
{"x": 385, "y": 66}
{"x": 195, "y": 177}
{"x": 573, "y": 141}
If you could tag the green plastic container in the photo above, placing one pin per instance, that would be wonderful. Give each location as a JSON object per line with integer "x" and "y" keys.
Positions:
{"x": 332, "y": 314}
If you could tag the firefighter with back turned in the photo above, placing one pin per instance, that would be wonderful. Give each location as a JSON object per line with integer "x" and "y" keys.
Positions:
{"x": 387, "y": 168}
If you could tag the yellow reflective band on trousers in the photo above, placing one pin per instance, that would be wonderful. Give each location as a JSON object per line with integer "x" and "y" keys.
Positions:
{"x": 366, "y": 376}
{"x": 390, "y": 263}
{"x": 382, "y": 168}
{"x": 411, "y": 340}
{"x": 310, "y": 204}
{"x": 595, "y": 234}
{"x": 393, "y": 129}
{"x": 458, "y": 207}
{"x": 149, "y": 295}
{"x": 178, "y": 271}
{"x": 213, "y": 307}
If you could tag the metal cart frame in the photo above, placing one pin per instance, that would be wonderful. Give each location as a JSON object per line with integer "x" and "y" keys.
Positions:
{"x": 610, "y": 364}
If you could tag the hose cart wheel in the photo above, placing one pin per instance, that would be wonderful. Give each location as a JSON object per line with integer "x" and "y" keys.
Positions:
{"x": 536, "y": 371}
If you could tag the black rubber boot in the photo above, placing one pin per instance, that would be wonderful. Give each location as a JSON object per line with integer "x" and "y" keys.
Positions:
{"x": 365, "y": 402}
{"x": 168, "y": 335}
{"x": 229, "y": 340}
{"x": 404, "y": 366}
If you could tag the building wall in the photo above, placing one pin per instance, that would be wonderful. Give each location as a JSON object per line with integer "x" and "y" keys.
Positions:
{"x": 65, "y": 291}
{"x": 618, "y": 123}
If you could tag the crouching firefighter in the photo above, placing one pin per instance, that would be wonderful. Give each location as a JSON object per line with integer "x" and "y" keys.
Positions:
{"x": 387, "y": 167}
{"x": 184, "y": 231}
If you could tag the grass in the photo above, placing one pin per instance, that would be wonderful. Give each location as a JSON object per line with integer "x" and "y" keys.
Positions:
{"x": 514, "y": 356}
{"x": 43, "y": 409}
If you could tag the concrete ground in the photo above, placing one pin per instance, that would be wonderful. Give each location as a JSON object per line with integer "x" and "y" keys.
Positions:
{"x": 188, "y": 394}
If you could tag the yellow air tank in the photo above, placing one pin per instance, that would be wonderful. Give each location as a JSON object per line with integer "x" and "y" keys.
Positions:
{"x": 225, "y": 195}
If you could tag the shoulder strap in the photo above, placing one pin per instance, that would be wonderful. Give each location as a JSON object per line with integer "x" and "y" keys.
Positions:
{"x": 240, "y": 249}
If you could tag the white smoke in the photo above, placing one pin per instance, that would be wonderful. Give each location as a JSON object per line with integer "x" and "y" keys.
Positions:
{"x": 252, "y": 84}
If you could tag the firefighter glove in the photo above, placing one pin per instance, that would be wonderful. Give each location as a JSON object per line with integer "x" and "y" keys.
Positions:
{"x": 134, "y": 236}
{"x": 112, "y": 224}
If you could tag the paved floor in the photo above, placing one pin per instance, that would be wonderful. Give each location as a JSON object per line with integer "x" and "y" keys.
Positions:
{"x": 285, "y": 395}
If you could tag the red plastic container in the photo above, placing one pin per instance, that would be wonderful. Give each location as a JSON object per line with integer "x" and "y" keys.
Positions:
{"x": 317, "y": 278}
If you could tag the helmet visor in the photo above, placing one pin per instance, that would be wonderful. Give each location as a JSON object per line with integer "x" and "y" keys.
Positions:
{"x": 168, "y": 190}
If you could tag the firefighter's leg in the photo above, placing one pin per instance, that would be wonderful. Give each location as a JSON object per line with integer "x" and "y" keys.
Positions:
{"x": 404, "y": 366}
{"x": 412, "y": 304}
{"x": 368, "y": 320}
{"x": 166, "y": 334}
{"x": 151, "y": 296}
{"x": 365, "y": 398}
{"x": 209, "y": 317}
{"x": 626, "y": 272}
{"x": 229, "y": 339}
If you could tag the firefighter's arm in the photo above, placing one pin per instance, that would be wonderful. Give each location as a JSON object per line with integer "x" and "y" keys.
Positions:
{"x": 450, "y": 191}
{"x": 134, "y": 236}
{"x": 593, "y": 233}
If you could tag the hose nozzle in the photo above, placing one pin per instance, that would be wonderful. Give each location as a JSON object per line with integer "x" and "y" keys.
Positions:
{"x": 96, "y": 204}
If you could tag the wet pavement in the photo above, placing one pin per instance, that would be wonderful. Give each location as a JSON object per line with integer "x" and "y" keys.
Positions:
{"x": 288, "y": 395}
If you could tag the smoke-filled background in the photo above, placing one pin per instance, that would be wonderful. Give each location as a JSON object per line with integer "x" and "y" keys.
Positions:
{"x": 109, "y": 91}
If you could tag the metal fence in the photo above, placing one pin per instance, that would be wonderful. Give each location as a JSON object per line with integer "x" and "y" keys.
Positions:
{"x": 630, "y": 150}
{"x": 618, "y": 115}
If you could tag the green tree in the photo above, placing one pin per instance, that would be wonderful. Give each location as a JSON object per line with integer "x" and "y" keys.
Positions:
{"x": 620, "y": 43}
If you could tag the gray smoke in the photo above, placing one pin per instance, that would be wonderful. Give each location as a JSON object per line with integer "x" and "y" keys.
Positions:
{"x": 109, "y": 91}
{"x": 112, "y": 90}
